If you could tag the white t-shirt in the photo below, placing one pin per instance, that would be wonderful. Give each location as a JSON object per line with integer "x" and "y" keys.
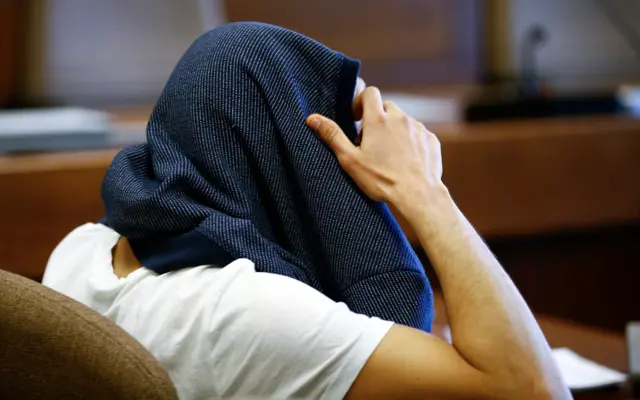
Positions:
{"x": 222, "y": 332}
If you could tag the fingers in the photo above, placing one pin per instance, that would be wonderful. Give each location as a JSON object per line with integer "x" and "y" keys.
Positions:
{"x": 391, "y": 107}
{"x": 372, "y": 105}
{"x": 368, "y": 101}
{"x": 361, "y": 85}
{"x": 331, "y": 134}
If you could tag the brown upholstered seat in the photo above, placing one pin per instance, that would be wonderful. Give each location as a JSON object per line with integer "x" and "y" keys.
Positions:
{"x": 52, "y": 347}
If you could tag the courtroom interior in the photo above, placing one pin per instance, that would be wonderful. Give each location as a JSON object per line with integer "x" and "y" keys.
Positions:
{"x": 536, "y": 105}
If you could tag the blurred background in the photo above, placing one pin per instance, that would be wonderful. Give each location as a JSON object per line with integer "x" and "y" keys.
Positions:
{"x": 535, "y": 102}
{"x": 110, "y": 53}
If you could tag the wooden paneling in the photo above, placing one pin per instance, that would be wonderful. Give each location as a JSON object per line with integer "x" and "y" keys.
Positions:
{"x": 42, "y": 199}
{"x": 12, "y": 13}
{"x": 524, "y": 177}
{"x": 589, "y": 276}
{"x": 102, "y": 53}
{"x": 549, "y": 196}
{"x": 409, "y": 43}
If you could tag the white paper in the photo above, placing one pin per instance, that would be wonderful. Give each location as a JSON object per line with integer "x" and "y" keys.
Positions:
{"x": 428, "y": 109}
{"x": 53, "y": 121}
{"x": 580, "y": 373}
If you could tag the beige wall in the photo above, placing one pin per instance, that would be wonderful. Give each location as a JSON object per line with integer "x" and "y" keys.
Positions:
{"x": 96, "y": 50}
{"x": 585, "y": 51}
{"x": 106, "y": 49}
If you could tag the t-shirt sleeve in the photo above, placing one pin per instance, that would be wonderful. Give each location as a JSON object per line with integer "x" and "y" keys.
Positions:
{"x": 276, "y": 337}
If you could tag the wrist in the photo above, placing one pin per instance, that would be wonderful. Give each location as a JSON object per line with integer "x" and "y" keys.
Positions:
{"x": 426, "y": 211}
{"x": 412, "y": 201}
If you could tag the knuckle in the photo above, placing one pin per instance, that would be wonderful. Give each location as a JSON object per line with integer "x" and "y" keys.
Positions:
{"x": 433, "y": 138}
{"x": 373, "y": 90}
{"x": 401, "y": 120}
{"x": 417, "y": 124}
{"x": 347, "y": 160}
{"x": 331, "y": 134}
{"x": 406, "y": 120}
{"x": 379, "y": 119}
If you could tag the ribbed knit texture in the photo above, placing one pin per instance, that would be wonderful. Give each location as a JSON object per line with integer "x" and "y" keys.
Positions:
{"x": 230, "y": 170}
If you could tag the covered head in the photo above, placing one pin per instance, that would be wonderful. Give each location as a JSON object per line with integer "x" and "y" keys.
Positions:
{"x": 230, "y": 170}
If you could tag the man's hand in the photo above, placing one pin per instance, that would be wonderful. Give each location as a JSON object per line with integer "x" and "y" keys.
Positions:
{"x": 498, "y": 350}
{"x": 398, "y": 158}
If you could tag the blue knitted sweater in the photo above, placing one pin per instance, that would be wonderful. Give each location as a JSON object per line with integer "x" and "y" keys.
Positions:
{"x": 230, "y": 170}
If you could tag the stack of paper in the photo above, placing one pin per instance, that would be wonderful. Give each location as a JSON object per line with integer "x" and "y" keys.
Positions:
{"x": 53, "y": 129}
{"x": 582, "y": 374}
{"x": 428, "y": 109}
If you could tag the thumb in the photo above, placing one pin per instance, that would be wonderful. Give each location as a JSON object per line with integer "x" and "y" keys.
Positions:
{"x": 330, "y": 133}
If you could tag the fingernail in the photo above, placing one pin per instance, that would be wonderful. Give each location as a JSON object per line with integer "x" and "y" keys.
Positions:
{"x": 314, "y": 123}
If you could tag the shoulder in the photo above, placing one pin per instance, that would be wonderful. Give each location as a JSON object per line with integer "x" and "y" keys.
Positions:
{"x": 86, "y": 241}
{"x": 83, "y": 235}
{"x": 321, "y": 345}
{"x": 264, "y": 335}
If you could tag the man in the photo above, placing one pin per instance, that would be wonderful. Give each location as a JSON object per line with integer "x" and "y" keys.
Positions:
{"x": 263, "y": 327}
{"x": 498, "y": 350}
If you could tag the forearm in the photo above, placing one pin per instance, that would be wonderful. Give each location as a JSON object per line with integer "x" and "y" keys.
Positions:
{"x": 491, "y": 326}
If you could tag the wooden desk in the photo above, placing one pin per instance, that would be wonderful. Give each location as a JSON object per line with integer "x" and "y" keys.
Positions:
{"x": 528, "y": 177}
{"x": 13, "y": 17}
{"x": 518, "y": 182}
{"x": 510, "y": 178}
{"x": 44, "y": 197}
{"x": 604, "y": 347}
